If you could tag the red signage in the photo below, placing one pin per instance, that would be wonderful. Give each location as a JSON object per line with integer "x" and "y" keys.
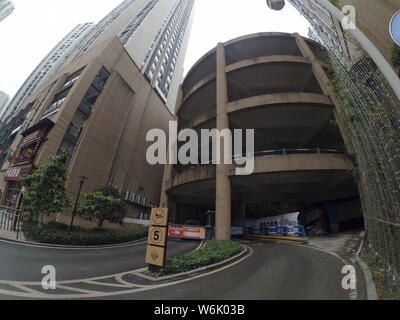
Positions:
{"x": 16, "y": 173}
{"x": 197, "y": 233}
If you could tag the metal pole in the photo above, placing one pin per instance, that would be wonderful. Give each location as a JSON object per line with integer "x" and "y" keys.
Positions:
{"x": 18, "y": 223}
{"x": 368, "y": 46}
{"x": 76, "y": 204}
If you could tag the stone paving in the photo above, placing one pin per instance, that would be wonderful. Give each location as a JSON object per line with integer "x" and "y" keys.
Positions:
{"x": 344, "y": 244}
{"x": 11, "y": 235}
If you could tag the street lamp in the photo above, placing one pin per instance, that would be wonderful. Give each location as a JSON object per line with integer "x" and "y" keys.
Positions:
{"x": 82, "y": 180}
{"x": 385, "y": 68}
{"x": 276, "y": 4}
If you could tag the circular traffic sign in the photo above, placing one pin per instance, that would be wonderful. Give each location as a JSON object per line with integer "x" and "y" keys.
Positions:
{"x": 395, "y": 28}
{"x": 158, "y": 216}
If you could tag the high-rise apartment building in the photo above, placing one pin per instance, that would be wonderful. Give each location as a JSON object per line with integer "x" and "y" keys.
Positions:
{"x": 155, "y": 33}
{"x": 6, "y": 8}
{"x": 373, "y": 18}
{"x": 47, "y": 66}
{"x": 98, "y": 109}
{"x": 4, "y": 99}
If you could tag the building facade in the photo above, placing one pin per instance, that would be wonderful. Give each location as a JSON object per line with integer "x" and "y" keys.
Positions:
{"x": 272, "y": 83}
{"x": 6, "y": 8}
{"x": 99, "y": 109}
{"x": 4, "y": 99}
{"x": 373, "y": 18}
{"x": 155, "y": 33}
{"x": 47, "y": 67}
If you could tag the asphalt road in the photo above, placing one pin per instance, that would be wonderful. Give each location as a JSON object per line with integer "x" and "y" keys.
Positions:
{"x": 24, "y": 262}
{"x": 274, "y": 271}
{"x": 269, "y": 271}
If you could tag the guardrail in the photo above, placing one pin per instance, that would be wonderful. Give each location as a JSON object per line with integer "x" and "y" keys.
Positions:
{"x": 272, "y": 153}
{"x": 10, "y": 220}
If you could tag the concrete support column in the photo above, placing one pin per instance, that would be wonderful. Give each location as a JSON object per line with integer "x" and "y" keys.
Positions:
{"x": 168, "y": 168}
{"x": 223, "y": 183}
{"x": 167, "y": 176}
{"x": 175, "y": 214}
{"x": 324, "y": 83}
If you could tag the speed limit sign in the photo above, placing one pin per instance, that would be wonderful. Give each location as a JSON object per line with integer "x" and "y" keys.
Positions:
{"x": 157, "y": 236}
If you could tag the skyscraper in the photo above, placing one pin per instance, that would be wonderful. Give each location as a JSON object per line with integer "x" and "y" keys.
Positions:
{"x": 4, "y": 98}
{"x": 47, "y": 67}
{"x": 6, "y": 7}
{"x": 155, "y": 34}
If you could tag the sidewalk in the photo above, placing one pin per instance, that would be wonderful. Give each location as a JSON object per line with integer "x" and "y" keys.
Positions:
{"x": 8, "y": 235}
{"x": 344, "y": 244}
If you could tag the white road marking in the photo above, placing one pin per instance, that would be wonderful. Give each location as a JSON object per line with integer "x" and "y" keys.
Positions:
{"x": 117, "y": 285}
{"x": 76, "y": 289}
{"x": 97, "y": 294}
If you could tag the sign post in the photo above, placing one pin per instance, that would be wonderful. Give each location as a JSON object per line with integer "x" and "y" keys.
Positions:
{"x": 157, "y": 239}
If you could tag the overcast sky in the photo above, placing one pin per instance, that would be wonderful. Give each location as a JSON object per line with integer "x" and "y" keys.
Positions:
{"x": 36, "y": 26}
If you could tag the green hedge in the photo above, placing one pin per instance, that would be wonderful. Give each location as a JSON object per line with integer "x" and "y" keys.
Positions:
{"x": 214, "y": 251}
{"x": 59, "y": 233}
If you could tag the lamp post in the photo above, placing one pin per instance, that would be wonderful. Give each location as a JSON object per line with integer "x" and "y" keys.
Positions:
{"x": 276, "y": 4}
{"x": 385, "y": 68}
{"x": 82, "y": 180}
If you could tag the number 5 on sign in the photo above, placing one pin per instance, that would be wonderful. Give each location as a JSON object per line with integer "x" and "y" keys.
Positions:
{"x": 157, "y": 236}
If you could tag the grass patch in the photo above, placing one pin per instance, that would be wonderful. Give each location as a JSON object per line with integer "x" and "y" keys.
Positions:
{"x": 212, "y": 252}
{"x": 59, "y": 233}
{"x": 384, "y": 287}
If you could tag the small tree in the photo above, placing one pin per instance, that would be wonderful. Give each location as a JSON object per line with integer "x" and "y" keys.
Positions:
{"x": 45, "y": 189}
{"x": 395, "y": 58}
{"x": 103, "y": 204}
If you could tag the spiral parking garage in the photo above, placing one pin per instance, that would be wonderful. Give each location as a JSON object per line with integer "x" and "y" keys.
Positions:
{"x": 272, "y": 83}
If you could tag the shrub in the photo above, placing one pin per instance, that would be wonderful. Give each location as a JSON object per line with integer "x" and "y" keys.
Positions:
{"x": 59, "y": 233}
{"x": 214, "y": 251}
{"x": 395, "y": 57}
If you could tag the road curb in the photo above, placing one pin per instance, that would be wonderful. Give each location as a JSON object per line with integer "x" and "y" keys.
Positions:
{"x": 188, "y": 274}
{"x": 369, "y": 287}
{"x": 369, "y": 282}
{"x": 62, "y": 246}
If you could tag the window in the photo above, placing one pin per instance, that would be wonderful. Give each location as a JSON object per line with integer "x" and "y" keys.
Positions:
{"x": 54, "y": 106}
